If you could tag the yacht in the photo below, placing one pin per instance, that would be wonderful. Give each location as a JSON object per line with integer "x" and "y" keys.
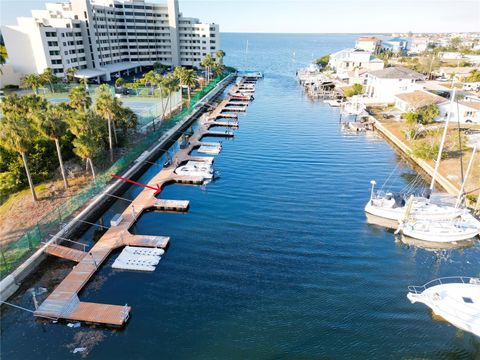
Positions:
{"x": 196, "y": 169}
{"x": 455, "y": 299}
{"x": 439, "y": 231}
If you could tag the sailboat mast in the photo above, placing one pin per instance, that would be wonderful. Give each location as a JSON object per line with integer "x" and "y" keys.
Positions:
{"x": 469, "y": 168}
{"x": 442, "y": 143}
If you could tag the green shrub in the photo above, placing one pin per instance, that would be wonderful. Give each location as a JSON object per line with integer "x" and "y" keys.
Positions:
{"x": 425, "y": 150}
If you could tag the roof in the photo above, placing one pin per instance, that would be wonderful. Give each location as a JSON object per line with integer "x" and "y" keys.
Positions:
{"x": 463, "y": 70}
{"x": 397, "y": 73}
{"x": 420, "y": 98}
{"x": 368, "y": 38}
{"x": 471, "y": 104}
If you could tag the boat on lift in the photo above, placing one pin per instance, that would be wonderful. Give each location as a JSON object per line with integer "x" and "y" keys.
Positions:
{"x": 353, "y": 107}
{"x": 196, "y": 169}
{"x": 454, "y": 299}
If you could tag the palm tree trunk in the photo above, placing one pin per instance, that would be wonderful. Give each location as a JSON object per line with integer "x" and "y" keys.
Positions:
{"x": 29, "y": 177}
{"x": 115, "y": 132}
{"x": 110, "y": 142}
{"x": 189, "y": 95}
{"x": 60, "y": 160}
{"x": 89, "y": 161}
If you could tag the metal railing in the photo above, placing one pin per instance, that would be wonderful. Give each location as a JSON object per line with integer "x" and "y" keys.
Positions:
{"x": 442, "y": 281}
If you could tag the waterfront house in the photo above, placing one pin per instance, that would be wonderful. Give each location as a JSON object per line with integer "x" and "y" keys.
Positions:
{"x": 412, "y": 101}
{"x": 345, "y": 61}
{"x": 368, "y": 43}
{"x": 383, "y": 85}
{"x": 468, "y": 112}
{"x": 395, "y": 45}
{"x": 457, "y": 73}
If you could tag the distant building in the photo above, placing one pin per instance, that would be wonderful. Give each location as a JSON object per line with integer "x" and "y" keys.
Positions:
{"x": 102, "y": 38}
{"x": 371, "y": 44}
{"x": 396, "y": 45}
{"x": 383, "y": 85}
{"x": 449, "y": 55}
{"x": 412, "y": 101}
{"x": 457, "y": 73}
{"x": 346, "y": 61}
{"x": 418, "y": 45}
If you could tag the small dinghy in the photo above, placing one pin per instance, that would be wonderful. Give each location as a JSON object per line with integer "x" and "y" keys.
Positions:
{"x": 455, "y": 299}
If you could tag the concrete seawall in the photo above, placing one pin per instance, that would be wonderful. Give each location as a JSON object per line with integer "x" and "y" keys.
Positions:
{"x": 11, "y": 283}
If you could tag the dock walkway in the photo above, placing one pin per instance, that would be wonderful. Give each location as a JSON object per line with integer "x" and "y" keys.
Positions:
{"x": 63, "y": 302}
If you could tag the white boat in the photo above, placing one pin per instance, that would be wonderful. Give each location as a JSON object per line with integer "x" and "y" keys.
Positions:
{"x": 455, "y": 299}
{"x": 439, "y": 231}
{"x": 392, "y": 206}
{"x": 333, "y": 103}
{"x": 196, "y": 169}
{"x": 353, "y": 106}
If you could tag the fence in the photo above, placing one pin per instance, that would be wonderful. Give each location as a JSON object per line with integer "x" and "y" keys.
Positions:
{"x": 14, "y": 253}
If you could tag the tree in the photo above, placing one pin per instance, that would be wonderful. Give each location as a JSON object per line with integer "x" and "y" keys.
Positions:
{"x": 51, "y": 123}
{"x": 48, "y": 77}
{"x": 159, "y": 67}
{"x": 3, "y": 57}
{"x": 71, "y": 72}
{"x": 455, "y": 42}
{"x": 188, "y": 78}
{"x": 120, "y": 82}
{"x": 323, "y": 61}
{"x": 105, "y": 106}
{"x": 355, "y": 89}
{"x": 150, "y": 79}
{"x": 220, "y": 54}
{"x": 32, "y": 81}
{"x": 16, "y": 134}
{"x": 428, "y": 113}
{"x": 80, "y": 99}
{"x": 218, "y": 69}
{"x": 207, "y": 64}
{"x": 89, "y": 130}
{"x": 171, "y": 84}
{"x": 474, "y": 76}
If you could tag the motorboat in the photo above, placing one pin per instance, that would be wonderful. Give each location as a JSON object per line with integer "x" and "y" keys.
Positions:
{"x": 454, "y": 299}
{"x": 353, "y": 106}
{"x": 196, "y": 169}
{"x": 439, "y": 231}
{"x": 333, "y": 103}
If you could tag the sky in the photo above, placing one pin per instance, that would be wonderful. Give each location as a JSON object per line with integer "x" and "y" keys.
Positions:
{"x": 312, "y": 16}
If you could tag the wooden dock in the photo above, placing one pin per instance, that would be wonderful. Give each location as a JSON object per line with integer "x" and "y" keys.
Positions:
{"x": 63, "y": 302}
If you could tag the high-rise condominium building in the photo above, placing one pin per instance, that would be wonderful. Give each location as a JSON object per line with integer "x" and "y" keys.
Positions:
{"x": 101, "y": 38}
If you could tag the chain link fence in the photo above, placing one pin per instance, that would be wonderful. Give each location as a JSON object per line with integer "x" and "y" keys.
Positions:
{"x": 14, "y": 253}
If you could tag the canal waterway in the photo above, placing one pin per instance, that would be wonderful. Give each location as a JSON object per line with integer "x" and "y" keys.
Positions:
{"x": 275, "y": 259}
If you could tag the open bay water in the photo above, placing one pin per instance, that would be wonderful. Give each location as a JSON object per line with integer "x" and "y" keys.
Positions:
{"x": 274, "y": 260}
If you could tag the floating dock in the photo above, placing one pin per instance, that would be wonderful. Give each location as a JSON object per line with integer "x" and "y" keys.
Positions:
{"x": 63, "y": 302}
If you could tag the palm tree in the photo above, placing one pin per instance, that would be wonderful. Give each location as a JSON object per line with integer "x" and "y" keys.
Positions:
{"x": 220, "y": 54}
{"x": 80, "y": 100}
{"x": 150, "y": 78}
{"x": 218, "y": 69}
{"x": 89, "y": 130}
{"x": 51, "y": 124}
{"x": 207, "y": 63}
{"x": 187, "y": 78}
{"x": 48, "y": 77}
{"x": 105, "y": 107}
{"x": 32, "y": 81}
{"x": 3, "y": 57}
{"x": 171, "y": 84}
{"x": 71, "y": 72}
{"x": 16, "y": 135}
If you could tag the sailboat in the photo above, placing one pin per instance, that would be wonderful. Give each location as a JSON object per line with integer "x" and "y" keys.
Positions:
{"x": 391, "y": 206}
{"x": 440, "y": 231}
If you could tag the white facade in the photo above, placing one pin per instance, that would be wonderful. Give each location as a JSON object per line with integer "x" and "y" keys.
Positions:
{"x": 347, "y": 60}
{"x": 370, "y": 44}
{"x": 383, "y": 85}
{"x": 104, "y": 37}
{"x": 418, "y": 45}
{"x": 468, "y": 112}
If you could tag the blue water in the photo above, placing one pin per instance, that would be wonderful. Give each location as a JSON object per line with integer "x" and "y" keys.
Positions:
{"x": 275, "y": 260}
